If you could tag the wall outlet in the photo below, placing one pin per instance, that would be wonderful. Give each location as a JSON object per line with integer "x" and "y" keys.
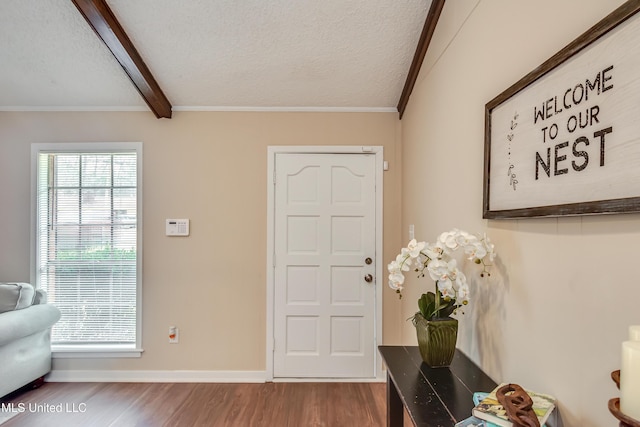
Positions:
{"x": 174, "y": 335}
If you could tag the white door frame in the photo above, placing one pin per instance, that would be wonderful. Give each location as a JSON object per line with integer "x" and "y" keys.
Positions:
{"x": 379, "y": 278}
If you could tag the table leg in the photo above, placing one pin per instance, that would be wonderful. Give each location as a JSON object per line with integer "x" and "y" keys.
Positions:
{"x": 395, "y": 415}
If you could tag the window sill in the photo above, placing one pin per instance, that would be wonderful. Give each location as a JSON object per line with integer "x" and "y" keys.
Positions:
{"x": 94, "y": 351}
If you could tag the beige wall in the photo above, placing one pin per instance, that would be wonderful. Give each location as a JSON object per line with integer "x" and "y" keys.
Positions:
{"x": 564, "y": 290}
{"x": 210, "y": 167}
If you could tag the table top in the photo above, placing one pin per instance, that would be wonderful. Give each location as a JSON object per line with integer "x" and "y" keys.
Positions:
{"x": 434, "y": 396}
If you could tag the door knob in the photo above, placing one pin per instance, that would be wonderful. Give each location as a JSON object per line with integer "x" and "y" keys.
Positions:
{"x": 368, "y": 278}
{"x": 368, "y": 261}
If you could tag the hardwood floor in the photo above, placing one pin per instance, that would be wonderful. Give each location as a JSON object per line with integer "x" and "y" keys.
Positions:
{"x": 206, "y": 404}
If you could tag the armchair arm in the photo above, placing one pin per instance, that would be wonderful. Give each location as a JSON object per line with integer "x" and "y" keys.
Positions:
{"x": 21, "y": 323}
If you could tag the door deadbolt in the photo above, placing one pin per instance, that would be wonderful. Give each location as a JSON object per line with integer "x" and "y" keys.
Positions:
{"x": 368, "y": 261}
{"x": 368, "y": 278}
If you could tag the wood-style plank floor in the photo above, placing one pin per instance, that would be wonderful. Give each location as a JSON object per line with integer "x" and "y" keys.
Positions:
{"x": 206, "y": 404}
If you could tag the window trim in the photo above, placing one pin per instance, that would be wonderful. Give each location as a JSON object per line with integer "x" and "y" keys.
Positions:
{"x": 106, "y": 350}
{"x": 95, "y": 351}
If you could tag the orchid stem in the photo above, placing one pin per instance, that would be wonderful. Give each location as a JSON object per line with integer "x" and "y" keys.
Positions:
{"x": 437, "y": 310}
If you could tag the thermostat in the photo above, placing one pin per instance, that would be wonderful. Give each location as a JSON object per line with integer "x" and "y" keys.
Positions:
{"x": 177, "y": 227}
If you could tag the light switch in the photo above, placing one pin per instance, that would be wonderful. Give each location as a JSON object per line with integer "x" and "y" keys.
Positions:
{"x": 177, "y": 227}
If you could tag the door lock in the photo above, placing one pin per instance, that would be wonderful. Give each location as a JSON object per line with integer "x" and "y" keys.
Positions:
{"x": 368, "y": 261}
{"x": 368, "y": 278}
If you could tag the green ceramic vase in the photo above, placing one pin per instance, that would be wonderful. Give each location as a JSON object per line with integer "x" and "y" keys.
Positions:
{"x": 436, "y": 339}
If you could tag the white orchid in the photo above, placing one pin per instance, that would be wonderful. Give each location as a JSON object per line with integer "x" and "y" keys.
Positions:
{"x": 433, "y": 251}
{"x": 395, "y": 268}
{"x": 415, "y": 248}
{"x": 451, "y": 283}
{"x": 396, "y": 280}
{"x": 438, "y": 269}
{"x": 476, "y": 251}
{"x": 446, "y": 289}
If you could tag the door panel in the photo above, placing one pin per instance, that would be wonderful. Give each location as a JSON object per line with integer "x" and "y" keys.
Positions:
{"x": 324, "y": 309}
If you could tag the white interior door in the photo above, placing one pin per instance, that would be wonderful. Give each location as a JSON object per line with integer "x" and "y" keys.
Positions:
{"x": 324, "y": 285}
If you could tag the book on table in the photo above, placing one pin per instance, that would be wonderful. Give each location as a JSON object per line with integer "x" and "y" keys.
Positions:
{"x": 491, "y": 410}
{"x": 471, "y": 422}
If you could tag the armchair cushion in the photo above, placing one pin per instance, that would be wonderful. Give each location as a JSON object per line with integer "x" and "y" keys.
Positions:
{"x": 15, "y": 296}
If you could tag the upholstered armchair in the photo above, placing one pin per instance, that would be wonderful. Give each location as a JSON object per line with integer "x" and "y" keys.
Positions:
{"x": 25, "y": 335}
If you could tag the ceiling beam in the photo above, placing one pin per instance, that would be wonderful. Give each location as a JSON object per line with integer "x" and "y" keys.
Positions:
{"x": 104, "y": 23}
{"x": 423, "y": 44}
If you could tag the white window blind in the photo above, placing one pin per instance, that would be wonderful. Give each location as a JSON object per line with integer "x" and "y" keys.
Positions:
{"x": 87, "y": 244}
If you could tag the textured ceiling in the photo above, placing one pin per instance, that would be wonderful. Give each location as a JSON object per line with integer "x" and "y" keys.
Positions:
{"x": 213, "y": 54}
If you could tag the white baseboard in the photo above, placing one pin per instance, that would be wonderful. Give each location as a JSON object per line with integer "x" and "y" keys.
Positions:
{"x": 108, "y": 376}
{"x": 329, "y": 380}
{"x": 157, "y": 376}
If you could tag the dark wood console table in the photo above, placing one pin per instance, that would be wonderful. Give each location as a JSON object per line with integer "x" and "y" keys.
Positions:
{"x": 433, "y": 397}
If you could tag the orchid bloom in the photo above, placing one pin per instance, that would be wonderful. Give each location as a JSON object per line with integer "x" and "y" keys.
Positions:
{"x": 415, "y": 248}
{"x": 436, "y": 258}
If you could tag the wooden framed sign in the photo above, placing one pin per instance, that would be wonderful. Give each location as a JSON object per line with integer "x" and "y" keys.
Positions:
{"x": 565, "y": 139}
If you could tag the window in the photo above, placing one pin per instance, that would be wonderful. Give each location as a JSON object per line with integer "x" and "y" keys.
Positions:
{"x": 87, "y": 243}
